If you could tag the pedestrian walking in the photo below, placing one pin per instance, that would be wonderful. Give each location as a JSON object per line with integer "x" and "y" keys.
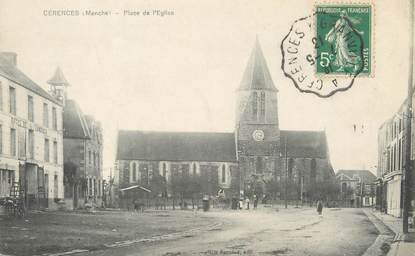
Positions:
{"x": 247, "y": 203}
{"x": 255, "y": 201}
{"x": 319, "y": 207}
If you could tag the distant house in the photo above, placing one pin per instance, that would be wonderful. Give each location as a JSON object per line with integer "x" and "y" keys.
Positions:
{"x": 357, "y": 187}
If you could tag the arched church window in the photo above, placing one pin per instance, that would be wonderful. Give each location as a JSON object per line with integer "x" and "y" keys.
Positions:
{"x": 144, "y": 173}
{"x": 313, "y": 171}
{"x": 134, "y": 171}
{"x": 262, "y": 105}
{"x": 223, "y": 174}
{"x": 254, "y": 105}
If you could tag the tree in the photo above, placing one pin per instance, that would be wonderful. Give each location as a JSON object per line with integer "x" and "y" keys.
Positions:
{"x": 254, "y": 185}
{"x": 272, "y": 187}
{"x": 72, "y": 181}
{"x": 158, "y": 188}
{"x": 194, "y": 188}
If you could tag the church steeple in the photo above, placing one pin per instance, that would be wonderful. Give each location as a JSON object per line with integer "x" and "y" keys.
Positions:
{"x": 256, "y": 75}
{"x": 257, "y": 95}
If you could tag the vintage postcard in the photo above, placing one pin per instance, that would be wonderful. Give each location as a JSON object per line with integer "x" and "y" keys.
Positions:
{"x": 151, "y": 127}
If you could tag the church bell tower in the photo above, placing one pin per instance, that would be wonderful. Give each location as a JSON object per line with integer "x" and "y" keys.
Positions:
{"x": 257, "y": 129}
{"x": 58, "y": 86}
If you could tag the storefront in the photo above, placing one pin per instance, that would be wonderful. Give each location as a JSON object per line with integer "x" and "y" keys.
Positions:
{"x": 393, "y": 196}
{"x": 6, "y": 182}
{"x": 34, "y": 183}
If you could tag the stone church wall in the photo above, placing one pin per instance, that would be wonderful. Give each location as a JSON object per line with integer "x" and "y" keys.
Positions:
{"x": 213, "y": 175}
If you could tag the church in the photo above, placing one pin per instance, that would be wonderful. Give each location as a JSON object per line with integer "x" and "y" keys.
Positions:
{"x": 256, "y": 159}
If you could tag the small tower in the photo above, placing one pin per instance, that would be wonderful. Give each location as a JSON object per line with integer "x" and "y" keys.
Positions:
{"x": 58, "y": 85}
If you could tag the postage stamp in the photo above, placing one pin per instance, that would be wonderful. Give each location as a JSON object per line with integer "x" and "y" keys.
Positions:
{"x": 344, "y": 34}
{"x": 324, "y": 52}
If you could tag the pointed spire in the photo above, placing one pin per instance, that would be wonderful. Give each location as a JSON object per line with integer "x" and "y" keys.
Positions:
{"x": 58, "y": 79}
{"x": 256, "y": 75}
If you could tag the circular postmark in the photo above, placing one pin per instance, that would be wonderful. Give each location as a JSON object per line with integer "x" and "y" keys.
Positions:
{"x": 323, "y": 53}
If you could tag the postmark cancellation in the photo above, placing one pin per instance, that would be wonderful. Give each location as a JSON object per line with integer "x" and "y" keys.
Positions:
{"x": 323, "y": 53}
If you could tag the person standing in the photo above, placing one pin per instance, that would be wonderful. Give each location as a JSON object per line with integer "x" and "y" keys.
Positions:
{"x": 247, "y": 203}
{"x": 241, "y": 204}
{"x": 255, "y": 201}
{"x": 319, "y": 207}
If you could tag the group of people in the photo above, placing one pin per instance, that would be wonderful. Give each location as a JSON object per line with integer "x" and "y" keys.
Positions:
{"x": 247, "y": 202}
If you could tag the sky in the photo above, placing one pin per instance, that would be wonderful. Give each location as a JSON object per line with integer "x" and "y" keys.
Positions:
{"x": 180, "y": 72}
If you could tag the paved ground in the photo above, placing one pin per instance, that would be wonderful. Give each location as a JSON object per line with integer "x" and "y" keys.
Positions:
{"x": 52, "y": 232}
{"x": 262, "y": 232}
{"x": 402, "y": 244}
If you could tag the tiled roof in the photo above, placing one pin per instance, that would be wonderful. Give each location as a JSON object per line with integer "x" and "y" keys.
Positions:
{"x": 176, "y": 146}
{"x": 256, "y": 75}
{"x": 74, "y": 123}
{"x": 209, "y": 147}
{"x": 365, "y": 175}
{"x": 304, "y": 144}
{"x": 11, "y": 72}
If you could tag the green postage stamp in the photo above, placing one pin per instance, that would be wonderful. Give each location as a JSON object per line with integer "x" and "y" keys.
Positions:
{"x": 343, "y": 39}
{"x": 325, "y": 52}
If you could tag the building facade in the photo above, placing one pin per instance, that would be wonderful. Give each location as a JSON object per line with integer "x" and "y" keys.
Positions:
{"x": 357, "y": 188}
{"x": 31, "y": 139}
{"x": 256, "y": 159}
{"x": 82, "y": 151}
{"x": 391, "y": 162}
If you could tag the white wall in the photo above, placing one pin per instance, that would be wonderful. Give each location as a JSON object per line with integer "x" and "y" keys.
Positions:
{"x": 20, "y": 122}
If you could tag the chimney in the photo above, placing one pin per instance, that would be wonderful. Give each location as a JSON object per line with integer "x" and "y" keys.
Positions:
{"x": 11, "y": 57}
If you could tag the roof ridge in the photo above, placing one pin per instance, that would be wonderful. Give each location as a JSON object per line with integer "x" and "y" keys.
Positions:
{"x": 14, "y": 74}
{"x": 155, "y": 131}
{"x": 310, "y": 131}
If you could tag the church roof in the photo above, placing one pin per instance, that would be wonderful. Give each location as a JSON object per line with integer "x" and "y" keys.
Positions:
{"x": 74, "y": 122}
{"x": 176, "y": 146}
{"x": 58, "y": 78}
{"x": 364, "y": 175}
{"x": 257, "y": 75}
{"x": 304, "y": 144}
{"x": 11, "y": 72}
{"x": 208, "y": 147}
